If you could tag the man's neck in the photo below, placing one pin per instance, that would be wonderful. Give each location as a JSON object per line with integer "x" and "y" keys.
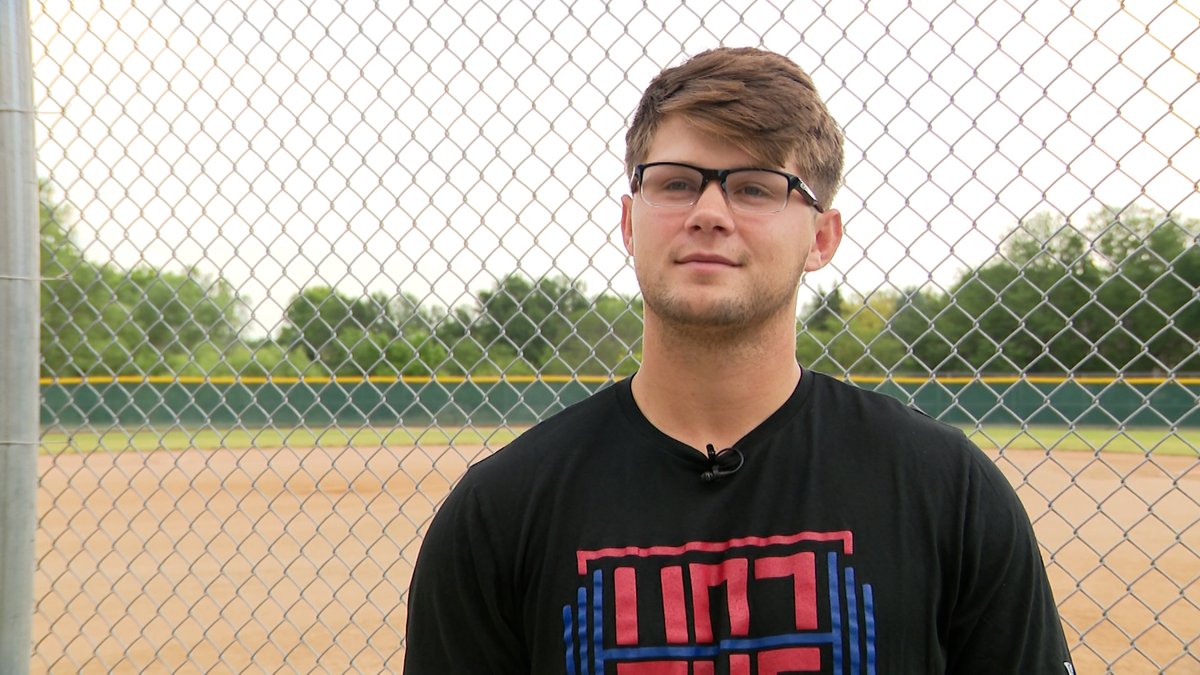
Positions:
{"x": 703, "y": 387}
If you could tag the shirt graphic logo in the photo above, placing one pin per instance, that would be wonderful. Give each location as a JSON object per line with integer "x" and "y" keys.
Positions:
{"x": 747, "y": 606}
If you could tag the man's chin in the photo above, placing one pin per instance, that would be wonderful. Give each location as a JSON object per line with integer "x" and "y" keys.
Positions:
{"x": 711, "y": 313}
{"x": 704, "y": 314}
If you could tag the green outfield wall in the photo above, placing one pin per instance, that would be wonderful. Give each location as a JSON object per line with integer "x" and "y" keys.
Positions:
{"x": 256, "y": 403}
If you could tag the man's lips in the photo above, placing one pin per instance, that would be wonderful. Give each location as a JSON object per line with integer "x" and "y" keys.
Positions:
{"x": 706, "y": 259}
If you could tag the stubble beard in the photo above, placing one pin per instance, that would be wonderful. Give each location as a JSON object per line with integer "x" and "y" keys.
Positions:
{"x": 720, "y": 319}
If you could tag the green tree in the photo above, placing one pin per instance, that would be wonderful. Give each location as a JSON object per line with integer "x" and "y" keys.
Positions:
{"x": 825, "y": 313}
{"x": 72, "y": 291}
{"x": 1150, "y": 263}
{"x": 314, "y": 320}
{"x": 256, "y": 358}
{"x": 1120, "y": 292}
{"x": 820, "y": 323}
{"x": 1021, "y": 310}
{"x": 850, "y": 335}
{"x": 913, "y": 324}
{"x": 376, "y": 334}
{"x": 99, "y": 318}
{"x": 171, "y": 314}
{"x": 530, "y": 318}
{"x": 606, "y": 339}
{"x": 1117, "y": 293}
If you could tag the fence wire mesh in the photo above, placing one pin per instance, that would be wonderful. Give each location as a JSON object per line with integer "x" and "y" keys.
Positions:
{"x": 305, "y": 261}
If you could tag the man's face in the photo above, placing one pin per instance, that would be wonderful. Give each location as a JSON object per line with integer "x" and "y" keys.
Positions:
{"x": 708, "y": 266}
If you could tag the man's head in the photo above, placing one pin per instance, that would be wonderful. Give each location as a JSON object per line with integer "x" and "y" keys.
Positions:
{"x": 729, "y": 259}
{"x": 757, "y": 100}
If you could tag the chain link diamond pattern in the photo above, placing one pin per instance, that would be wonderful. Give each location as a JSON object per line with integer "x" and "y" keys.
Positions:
{"x": 283, "y": 242}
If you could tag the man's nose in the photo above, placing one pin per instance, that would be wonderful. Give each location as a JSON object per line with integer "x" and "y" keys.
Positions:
{"x": 712, "y": 210}
{"x": 713, "y": 190}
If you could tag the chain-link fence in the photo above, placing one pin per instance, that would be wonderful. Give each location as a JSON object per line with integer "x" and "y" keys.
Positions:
{"x": 303, "y": 262}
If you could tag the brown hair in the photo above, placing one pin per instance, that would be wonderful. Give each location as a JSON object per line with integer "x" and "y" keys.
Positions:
{"x": 760, "y": 101}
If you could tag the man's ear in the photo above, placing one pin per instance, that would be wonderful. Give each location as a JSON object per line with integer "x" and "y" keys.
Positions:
{"x": 627, "y": 223}
{"x": 827, "y": 235}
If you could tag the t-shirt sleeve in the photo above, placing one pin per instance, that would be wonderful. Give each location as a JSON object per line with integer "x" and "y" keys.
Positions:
{"x": 1004, "y": 620}
{"x": 461, "y": 615}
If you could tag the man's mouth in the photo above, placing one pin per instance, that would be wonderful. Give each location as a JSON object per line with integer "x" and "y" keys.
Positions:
{"x": 706, "y": 259}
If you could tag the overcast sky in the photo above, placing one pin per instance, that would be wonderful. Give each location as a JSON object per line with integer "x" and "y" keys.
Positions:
{"x": 431, "y": 147}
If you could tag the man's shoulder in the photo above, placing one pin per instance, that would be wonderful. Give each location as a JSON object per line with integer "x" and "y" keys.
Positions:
{"x": 876, "y": 411}
{"x": 877, "y": 429}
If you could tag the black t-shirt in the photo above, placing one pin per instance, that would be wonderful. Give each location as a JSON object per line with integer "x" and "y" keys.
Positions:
{"x": 857, "y": 537}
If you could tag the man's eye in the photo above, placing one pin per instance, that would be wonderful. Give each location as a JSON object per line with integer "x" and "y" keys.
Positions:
{"x": 755, "y": 191}
{"x": 678, "y": 185}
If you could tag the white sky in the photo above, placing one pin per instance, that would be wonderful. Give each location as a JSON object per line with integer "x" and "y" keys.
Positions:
{"x": 431, "y": 147}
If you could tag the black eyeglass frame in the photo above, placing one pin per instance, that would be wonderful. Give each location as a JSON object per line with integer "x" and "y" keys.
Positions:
{"x": 720, "y": 175}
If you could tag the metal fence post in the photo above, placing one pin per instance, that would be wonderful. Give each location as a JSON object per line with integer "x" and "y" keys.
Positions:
{"x": 19, "y": 269}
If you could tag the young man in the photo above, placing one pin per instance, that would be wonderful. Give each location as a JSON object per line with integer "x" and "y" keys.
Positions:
{"x": 723, "y": 511}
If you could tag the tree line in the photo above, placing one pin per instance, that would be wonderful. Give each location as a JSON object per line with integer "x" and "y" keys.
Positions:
{"x": 1115, "y": 294}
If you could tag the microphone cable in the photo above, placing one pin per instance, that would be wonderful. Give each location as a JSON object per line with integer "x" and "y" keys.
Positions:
{"x": 718, "y": 462}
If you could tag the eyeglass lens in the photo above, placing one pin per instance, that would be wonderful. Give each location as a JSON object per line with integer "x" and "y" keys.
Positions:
{"x": 750, "y": 190}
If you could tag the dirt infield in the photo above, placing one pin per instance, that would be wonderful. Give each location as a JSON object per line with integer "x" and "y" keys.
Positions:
{"x": 297, "y": 560}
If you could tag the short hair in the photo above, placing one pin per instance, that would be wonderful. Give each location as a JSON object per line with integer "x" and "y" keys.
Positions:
{"x": 760, "y": 101}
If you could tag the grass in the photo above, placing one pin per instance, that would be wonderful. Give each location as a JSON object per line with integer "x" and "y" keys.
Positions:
{"x": 144, "y": 440}
{"x": 1156, "y": 440}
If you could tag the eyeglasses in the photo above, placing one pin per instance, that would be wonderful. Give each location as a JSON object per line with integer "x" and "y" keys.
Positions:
{"x": 671, "y": 185}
